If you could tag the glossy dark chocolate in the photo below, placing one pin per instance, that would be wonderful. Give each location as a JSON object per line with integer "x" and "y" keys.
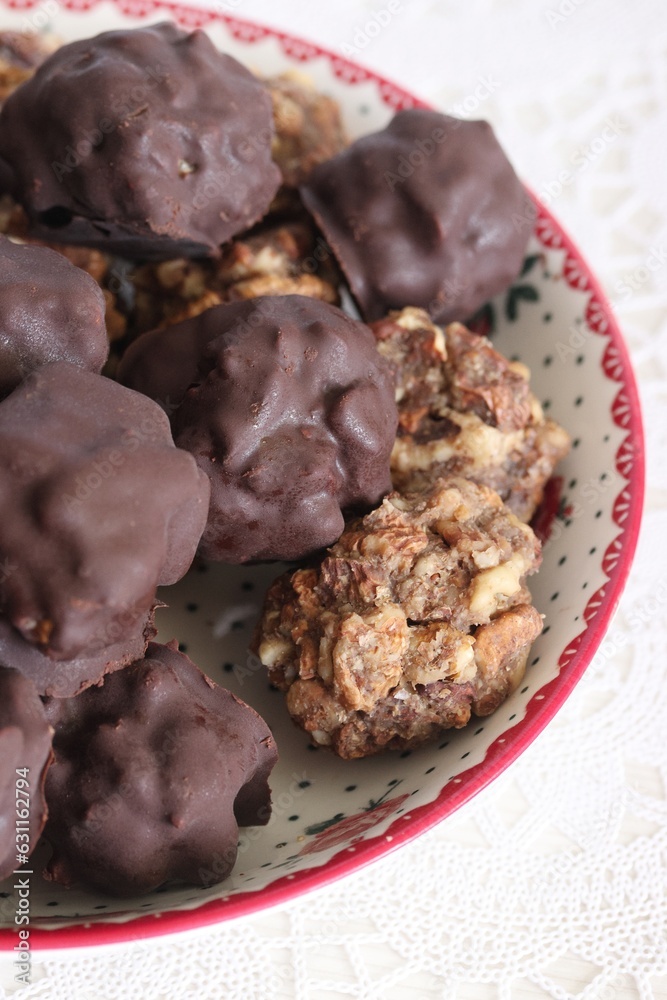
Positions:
{"x": 154, "y": 771}
{"x": 289, "y": 409}
{"x": 97, "y": 508}
{"x": 427, "y": 212}
{"x": 50, "y": 310}
{"x": 146, "y": 142}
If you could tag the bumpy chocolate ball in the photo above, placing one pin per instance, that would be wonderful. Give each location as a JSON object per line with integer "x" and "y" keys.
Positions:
{"x": 50, "y": 310}
{"x": 97, "y": 508}
{"x": 25, "y": 754}
{"x": 148, "y": 143}
{"x": 428, "y": 212}
{"x": 154, "y": 772}
{"x": 289, "y": 411}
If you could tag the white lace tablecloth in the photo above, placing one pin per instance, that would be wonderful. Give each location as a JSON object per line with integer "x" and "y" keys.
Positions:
{"x": 553, "y": 882}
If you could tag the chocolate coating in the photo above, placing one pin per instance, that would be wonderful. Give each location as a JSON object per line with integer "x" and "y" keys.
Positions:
{"x": 97, "y": 509}
{"x": 153, "y": 772}
{"x": 66, "y": 678}
{"x": 49, "y": 311}
{"x": 145, "y": 142}
{"x": 289, "y": 411}
{"x": 423, "y": 213}
{"x": 25, "y": 743}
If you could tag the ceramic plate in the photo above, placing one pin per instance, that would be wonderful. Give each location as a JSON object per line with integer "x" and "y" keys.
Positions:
{"x": 331, "y": 817}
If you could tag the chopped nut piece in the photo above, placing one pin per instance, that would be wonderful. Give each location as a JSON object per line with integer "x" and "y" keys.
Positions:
{"x": 304, "y": 284}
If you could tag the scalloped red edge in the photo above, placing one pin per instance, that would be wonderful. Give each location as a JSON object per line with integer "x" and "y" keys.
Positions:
{"x": 616, "y": 562}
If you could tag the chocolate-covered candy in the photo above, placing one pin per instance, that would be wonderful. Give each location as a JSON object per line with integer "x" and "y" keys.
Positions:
{"x": 289, "y": 411}
{"x": 145, "y": 142}
{"x": 49, "y": 311}
{"x": 97, "y": 508}
{"x": 25, "y": 754}
{"x": 424, "y": 213}
{"x": 127, "y": 642}
{"x": 154, "y": 771}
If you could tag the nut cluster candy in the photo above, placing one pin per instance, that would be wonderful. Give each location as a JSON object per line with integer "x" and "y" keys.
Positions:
{"x": 416, "y": 618}
{"x": 287, "y": 406}
{"x": 127, "y": 638}
{"x": 148, "y": 143}
{"x": 466, "y": 410}
{"x": 284, "y": 259}
{"x": 97, "y": 508}
{"x": 308, "y": 124}
{"x": 154, "y": 772}
{"x": 177, "y": 378}
{"x": 423, "y": 213}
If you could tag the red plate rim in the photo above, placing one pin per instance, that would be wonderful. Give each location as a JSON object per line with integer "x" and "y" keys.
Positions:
{"x": 574, "y": 660}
